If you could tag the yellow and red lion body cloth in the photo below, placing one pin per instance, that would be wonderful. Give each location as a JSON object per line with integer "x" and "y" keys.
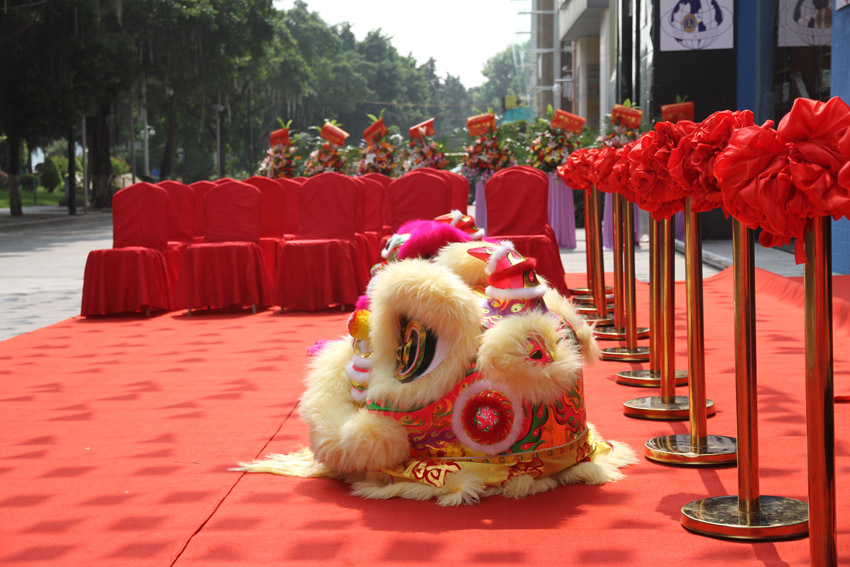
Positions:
{"x": 461, "y": 377}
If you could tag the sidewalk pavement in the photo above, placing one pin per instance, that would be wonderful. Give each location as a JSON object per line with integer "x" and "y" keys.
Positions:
{"x": 43, "y": 255}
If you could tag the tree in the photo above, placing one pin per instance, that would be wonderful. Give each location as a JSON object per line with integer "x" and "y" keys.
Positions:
{"x": 504, "y": 77}
{"x": 31, "y": 71}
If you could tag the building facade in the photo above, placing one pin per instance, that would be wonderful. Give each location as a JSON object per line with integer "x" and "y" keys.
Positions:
{"x": 721, "y": 54}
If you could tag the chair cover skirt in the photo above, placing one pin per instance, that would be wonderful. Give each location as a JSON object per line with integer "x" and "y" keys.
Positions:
{"x": 329, "y": 274}
{"x": 219, "y": 274}
{"x": 120, "y": 280}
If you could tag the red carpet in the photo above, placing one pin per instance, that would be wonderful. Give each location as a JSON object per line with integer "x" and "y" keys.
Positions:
{"x": 117, "y": 435}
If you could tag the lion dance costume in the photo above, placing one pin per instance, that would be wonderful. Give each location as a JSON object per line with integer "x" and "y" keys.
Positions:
{"x": 461, "y": 378}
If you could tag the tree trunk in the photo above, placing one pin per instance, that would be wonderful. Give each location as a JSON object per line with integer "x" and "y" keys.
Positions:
{"x": 71, "y": 193}
{"x": 16, "y": 206}
{"x": 100, "y": 166}
{"x": 170, "y": 140}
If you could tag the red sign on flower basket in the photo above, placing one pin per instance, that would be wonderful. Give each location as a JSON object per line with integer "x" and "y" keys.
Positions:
{"x": 333, "y": 134}
{"x": 628, "y": 117}
{"x": 422, "y": 129}
{"x": 481, "y": 124}
{"x": 567, "y": 121}
{"x": 677, "y": 111}
{"x": 279, "y": 137}
{"x": 376, "y": 130}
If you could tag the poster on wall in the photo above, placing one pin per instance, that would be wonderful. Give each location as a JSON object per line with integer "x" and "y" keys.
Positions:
{"x": 697, "y": 24}
{"x": 804, "y": 22}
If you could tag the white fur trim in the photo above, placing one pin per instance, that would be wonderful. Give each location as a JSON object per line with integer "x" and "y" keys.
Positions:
{"x": 505, "y": 246}
{"x": 477, "y": 235}
{"x": 300, "y": 463}
{"x": 358, "y": 396}
{"x": 516, "y": 426}
{"x": 516, "y": 293}
{"x": 457, "y": 216}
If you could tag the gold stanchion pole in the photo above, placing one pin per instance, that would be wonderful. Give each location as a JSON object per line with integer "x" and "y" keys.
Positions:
{"x": 631, "y": 352}
{"x": 748, "y": 515}
{"x": 588, "y": 303}
{"x": 575, "y": 291}
{"x": 618, "y": 330}
{"x": 651, "y": 377}
{"x": 820, "y": 411}
{"x": 698, "y": 448}
{"x": 599, "y": 314}
{"x": 668, "y": 406}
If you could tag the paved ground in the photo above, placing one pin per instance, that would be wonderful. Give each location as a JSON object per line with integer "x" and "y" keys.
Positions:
{"x": 43, "y": 256}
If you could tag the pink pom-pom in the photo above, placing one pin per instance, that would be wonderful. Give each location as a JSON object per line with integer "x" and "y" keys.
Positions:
{"x": 317, "y": 347}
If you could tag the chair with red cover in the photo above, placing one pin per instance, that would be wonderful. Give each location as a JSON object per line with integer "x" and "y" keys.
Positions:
{"x": 271, "y": 219}
{"x": 418, "y": 194}
{"x": 228, "y": 268}
{"x": 324, "y": 265}
{"x": 199, "y": 189}
{"x": 291, "y": 206}
{"x": 373, "y": 195}
{"x": 518, "y": 210}
{"x": 384, "y": 180}
{"x": 133, "y": 275}
{"x": 181, "y": 222}
{"x": 459, "y": 189}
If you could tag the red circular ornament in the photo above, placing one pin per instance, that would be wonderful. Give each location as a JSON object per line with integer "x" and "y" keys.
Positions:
{"x": 487, "y": 417}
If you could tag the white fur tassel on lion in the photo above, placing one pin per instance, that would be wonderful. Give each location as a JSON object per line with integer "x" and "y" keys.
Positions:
{"x": 462, "y": 379}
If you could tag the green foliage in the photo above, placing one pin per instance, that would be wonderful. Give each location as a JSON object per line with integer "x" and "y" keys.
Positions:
{"x": 48, "y": 174}
{"x": 61, "y": 162}
{"x": 40, "y": 197}
{"x": 119, "y": 167}
{"x": 28, "y": 182}
{"x": 265, "y": 66}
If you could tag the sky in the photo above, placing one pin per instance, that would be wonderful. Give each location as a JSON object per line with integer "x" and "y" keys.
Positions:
{"x": 461, "y": 35}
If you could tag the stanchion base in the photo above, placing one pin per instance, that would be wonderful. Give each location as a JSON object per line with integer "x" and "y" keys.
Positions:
{"x": 619, "y": 334}
{"x": 654, "y": 407}
{"x": 591, "y": 308}
{"x": 717, "y": 451}
{"x": 585, "y": 298}
{"x": 779, "y": 518}
{"x": 626, "y": 354}
{"x": 593, "y": 318}
{"x": 648, "y": 378}
{"x": 587, "y": 290}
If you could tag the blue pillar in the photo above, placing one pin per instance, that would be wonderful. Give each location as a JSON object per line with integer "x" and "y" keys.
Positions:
{"x": 755, "y": 43}
{"x": 840, "y": 86}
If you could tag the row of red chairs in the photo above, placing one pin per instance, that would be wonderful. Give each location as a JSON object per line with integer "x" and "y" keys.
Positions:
{"x": 517, "y": 205}
{"x": 300, "y": 245}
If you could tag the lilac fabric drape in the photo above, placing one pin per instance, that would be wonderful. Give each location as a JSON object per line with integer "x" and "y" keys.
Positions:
{"x": 562, "y": 216}
{"x": 480, "y": 205}
{"x": 608, "y": 224}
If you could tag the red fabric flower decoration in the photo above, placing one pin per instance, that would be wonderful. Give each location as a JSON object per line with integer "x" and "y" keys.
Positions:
{"x": 577, "y": 170}
{"x": 619, "y": 180}
{"x": 653, "y": 190}
{"x": 778, "y": 179}
{"x": 604, "y": 159}
{"x": 844, "y": 174}
{"x": 691, "y": 162}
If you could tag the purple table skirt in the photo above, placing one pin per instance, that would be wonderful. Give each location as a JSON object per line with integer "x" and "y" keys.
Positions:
{"x": 480, "y": 205}
{"x": 562, "y": 216}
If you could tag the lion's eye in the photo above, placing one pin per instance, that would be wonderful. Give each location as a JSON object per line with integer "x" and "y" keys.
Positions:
{"x": 536, "y": 351}
{"x": 419, "y": 351}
